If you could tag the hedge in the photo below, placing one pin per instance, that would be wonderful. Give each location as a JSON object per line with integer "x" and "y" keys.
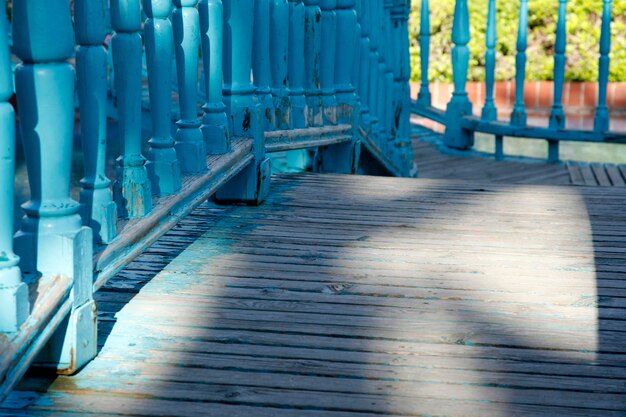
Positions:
{"x": 583, "y": 36}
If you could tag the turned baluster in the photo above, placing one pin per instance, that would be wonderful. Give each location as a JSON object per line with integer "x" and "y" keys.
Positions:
{"x": 163, "y": 165}
{"x": 390, "y": 60}
{"x": 518, "y": 117}
{"x": 373, "y": 69}
{"x": 327, "y": 60}
{"x": 261, "y": 65}
{"x": 312, "y": 62}
{"x": 279, "y": 55}
{"x": 132, "y": 189}
{"x": 190, "y": 145}
{"x": 14, "y": 306}
{"x": 346, "y": 43}
{"x": 363, "y": 63}
{"x": 601, "y": 120}
{"x": 296, "y": 64}
{"x": 52, "y": 242}
{"x": 557, "y": 115}
{"x": 381, "y": 104}
{"x": 215, "y": 122}
{"x": 459, "y": 106}
{"x": 490, "y": 112}
{"x": 424, "y": 97}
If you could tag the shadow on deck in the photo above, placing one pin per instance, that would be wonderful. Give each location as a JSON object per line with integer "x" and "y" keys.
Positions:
{"x": 345, "y": 296}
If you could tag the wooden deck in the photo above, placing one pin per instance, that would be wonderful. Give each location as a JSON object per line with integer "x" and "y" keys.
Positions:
{"x": 433, "y": 162}
{"x": 349, "y": 296}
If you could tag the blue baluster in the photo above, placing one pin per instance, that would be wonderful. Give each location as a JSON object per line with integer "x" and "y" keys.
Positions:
{"x": 327, "y": 60}
{"x": 557, "y": 116}
{"x": 342, "y": 158}
{"x": 279, "y": 53}
{"x": 132, "y": 190}
{"x": 459, "y": 105}
{"x": 355, "y": 79}
{"x": 52, "y": 241}
{"x": 424, "y": 97}
{"x": 518, "y": 117}
{"x": 190, "y": 145}
{"x": 98, "y": 210}
{"x": 163, "y": 165}
{"x": 215, "y": 121}
{"x": 252, "y": 184}
{"x": 14, "y": 307}
{"x": 296, "y": 64}
{"x": 261, "y": 65}
{"x": 389, "y": 58}
{"x": 373, "y": 70}
{"x": 346, "y": 43}
{"x": 490, "y": 112}
{"x": 238, "y": 89}
{"x": 363, "y": 64}
{"x": 312, "y": 62}
{"x": 601, "y": 120}
{"x": 382, "y": 76}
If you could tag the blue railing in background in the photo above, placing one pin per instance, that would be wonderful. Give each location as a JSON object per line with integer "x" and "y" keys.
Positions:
{"x": 277, "y": 75}
{"x": 458, "y": 119}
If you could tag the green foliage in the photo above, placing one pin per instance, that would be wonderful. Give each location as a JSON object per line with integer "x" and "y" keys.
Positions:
{"x": 583, "y": 37}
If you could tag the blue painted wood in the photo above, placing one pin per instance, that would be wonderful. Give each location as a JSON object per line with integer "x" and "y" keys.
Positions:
{"x": 312, "y": 62}
{"x": 98, "y": 210}
{"x": 327, "y": 60}
{"x": 279, "y": 55}
{"x": 390, "y": 60}
{"x": 190, "y": 145}
{"x": 261, "y": 65}
{"x": 238, "y": 89}
{"x": 297, "y": 99}
{"x": 251, "y": 186}
{"x": 518, "y": 117}
{"x": 373, "y": 72}
{"x": 356, "y": 58}
{"x": 132, "y": 190}
{"x": 557, "y": 115}
{"x": 163, "y": 165}
{"x": 345, "y": 45}
{"x": 601, "y": 120}
{"x": 215, "y": 127}
{"x": 362, "y": 64}
{"x": 14, "y": 306}
{"x": 490, "y": 112}
{"x": 52, "y": 241}
{"x": 459, "y": 105}
{"x": 381, "y": 74}
{"x": 424, "y": 97}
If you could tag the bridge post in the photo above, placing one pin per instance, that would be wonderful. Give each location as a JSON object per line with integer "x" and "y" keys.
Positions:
{"x": 52, "y": 241}
{"x": 518, "y": 117}
{"x": 261, "y": 65}
{"x": 424, "y": 97}
{"x": 312, "y": 62}
{"x": 14, "y": 306}
{"x": 389, "y": 58}
{"x": 98, "y": 210}
{"x": 344, "y": 157}
{"x": 132, "y": 189}
{"x": 163, "y": 165}
{"x": 279, "y": 53}
{"x": 459, "y": 105}
{"x": 215, "y": 121}
{"x": 190, "y": 145}
{"x": 296, "y": 64}
{"x": 557, "y": 115}
{"x": 373, "y": 69}
{"x": 490, "y": 112}
{"x": 601, "y": 119}
{"x": 252, "y": 184}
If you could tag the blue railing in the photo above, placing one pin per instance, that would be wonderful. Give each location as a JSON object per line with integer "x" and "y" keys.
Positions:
{"x": 461, "y": 125}
{"x": 277, "y": 75}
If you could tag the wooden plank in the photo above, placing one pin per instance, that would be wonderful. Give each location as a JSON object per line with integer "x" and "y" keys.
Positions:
{"x": 614, "y": 174}
{"x": 601, "y": 175}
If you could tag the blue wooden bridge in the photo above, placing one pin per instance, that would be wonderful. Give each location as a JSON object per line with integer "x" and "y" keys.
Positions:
{"x": 194, "y": 280}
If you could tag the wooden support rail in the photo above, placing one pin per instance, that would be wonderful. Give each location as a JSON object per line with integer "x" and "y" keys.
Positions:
{"x": 277, "y": 75}
{"x": 460, "y": 122}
